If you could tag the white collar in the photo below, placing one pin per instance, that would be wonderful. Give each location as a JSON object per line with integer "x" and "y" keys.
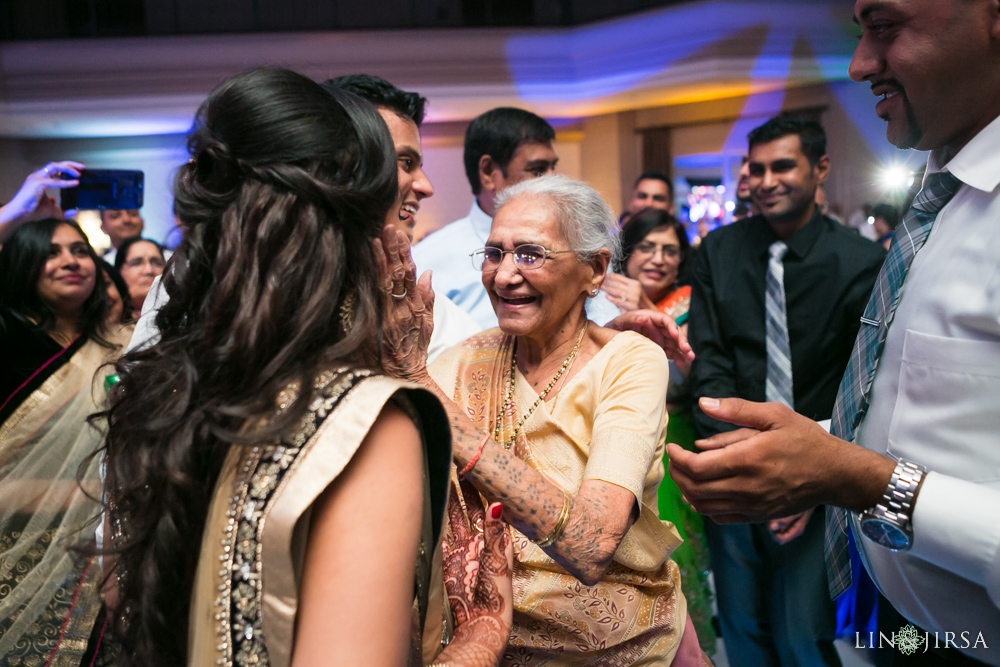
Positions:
{"x": 481, "y": 222}
{"x": 978, "y": 163}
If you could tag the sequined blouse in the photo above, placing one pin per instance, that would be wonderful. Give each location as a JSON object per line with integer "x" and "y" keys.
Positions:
{"x": 246, "y": 588}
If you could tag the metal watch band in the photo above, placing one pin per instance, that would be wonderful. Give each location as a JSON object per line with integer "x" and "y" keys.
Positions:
{"x": 896, "y": 505}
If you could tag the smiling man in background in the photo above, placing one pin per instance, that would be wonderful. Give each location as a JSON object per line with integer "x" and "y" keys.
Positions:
{"x": 403, "y": 112}
{"x": 120, "y": 225}
{"x": 652, "y": 190}
{"x": 774, "y": 310}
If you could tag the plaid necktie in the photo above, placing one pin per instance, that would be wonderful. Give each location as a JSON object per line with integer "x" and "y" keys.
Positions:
{"x": 778, "y": 386}
{"x": 855, "y": 387}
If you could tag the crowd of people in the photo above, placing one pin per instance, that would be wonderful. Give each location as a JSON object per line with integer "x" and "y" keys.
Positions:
{"x": 299, "y": 441}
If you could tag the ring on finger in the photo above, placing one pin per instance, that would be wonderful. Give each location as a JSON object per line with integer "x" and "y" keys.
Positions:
{"x": 398, "y": 296}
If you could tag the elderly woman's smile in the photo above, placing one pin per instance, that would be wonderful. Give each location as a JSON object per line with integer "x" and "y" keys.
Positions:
{"x": 514, "y": 300}
{"x": 535, "y": 301}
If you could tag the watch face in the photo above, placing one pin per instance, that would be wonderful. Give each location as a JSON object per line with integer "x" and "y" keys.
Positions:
{"x": 885, "y": 534}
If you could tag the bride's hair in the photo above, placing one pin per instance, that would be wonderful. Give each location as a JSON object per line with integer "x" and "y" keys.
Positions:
{"x": 286, "y": 188}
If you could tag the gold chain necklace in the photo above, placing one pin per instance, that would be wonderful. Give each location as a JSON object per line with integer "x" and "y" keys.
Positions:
{"x": 541, "y": 397}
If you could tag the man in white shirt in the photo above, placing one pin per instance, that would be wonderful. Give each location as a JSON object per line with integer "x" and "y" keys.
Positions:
{"x": 503, "y": 146}
{"x": 120, "y": 225}
{"x": 923, "y": 487}
{"x": 403, "y": 112}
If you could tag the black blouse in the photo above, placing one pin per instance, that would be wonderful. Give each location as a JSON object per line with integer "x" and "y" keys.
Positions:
{"x": 30, "y": 356}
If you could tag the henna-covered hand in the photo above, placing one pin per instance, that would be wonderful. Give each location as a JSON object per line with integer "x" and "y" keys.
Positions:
{"x": 407, "y": 317}
{"x": 478, "y": 565}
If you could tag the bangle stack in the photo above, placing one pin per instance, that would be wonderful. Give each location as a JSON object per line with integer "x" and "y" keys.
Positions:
{"x": 560, "y": 526}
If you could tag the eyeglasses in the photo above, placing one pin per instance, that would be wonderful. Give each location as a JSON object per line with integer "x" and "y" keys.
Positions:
{"x": 136, "y": 262}
{"x": 527, "y": 257}
{"x": 669, "y": 251}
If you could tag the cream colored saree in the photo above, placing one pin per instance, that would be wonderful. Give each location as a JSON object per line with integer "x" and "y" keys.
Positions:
{"x": 48, "y": 585}
{"x": 608, "y": 422}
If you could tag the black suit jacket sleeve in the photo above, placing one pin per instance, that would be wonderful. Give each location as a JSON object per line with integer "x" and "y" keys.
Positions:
{"x": 714, "y": 371}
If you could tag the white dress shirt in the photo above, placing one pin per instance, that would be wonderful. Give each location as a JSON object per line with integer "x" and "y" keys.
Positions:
{"x": 447, "y": 252}
{"x": 936, "y": 402}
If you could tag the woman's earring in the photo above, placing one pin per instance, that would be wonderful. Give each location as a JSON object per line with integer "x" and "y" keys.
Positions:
{"x": 594, "y": 291}
{"x": 347, "y": 312}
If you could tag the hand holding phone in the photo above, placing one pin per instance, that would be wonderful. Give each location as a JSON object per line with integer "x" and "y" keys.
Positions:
{"x": 105, "y": 189}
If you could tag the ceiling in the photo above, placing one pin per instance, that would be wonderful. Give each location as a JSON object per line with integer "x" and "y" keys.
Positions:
{"x": 688, "y": 52}
{"x": 72, "y": 19}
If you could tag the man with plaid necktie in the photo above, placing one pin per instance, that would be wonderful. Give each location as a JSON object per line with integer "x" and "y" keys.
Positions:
{"x": 914, "y": 456}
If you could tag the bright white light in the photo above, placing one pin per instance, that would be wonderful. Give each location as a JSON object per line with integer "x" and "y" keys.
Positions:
{"x": 90, "y": 223}
{"x": 871, "y": 219}
{"x": 896, "y": 178}
{"x": 721, "y": 189}
{"x": 730, "y": 206}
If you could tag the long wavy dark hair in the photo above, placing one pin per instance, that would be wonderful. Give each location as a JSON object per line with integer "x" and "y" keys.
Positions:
{"x": 22, "y": 261}
{"x": 287, "y": 186}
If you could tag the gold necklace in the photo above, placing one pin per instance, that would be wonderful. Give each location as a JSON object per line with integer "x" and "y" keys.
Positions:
{"x": 541, "y": 397}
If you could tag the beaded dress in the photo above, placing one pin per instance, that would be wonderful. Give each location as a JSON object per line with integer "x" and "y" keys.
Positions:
{"x": 246, "y": 588}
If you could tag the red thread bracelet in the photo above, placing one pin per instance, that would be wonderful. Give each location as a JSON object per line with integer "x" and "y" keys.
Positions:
{"x": 475, "y": 459}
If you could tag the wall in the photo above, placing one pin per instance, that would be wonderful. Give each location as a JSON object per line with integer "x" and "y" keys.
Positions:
{"x": 603, "y": 150}
{"x": 602, "y": 84}
{"x": 159, "y": 156}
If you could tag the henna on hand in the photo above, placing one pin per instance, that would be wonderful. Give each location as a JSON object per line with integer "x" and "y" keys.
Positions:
{"x": 478, "y": 566}
{"x": 407, "y": 322}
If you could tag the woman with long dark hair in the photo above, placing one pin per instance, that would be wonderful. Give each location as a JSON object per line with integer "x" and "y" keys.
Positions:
{"x": 272, "y": 498}
{"x": 54, "y": 341}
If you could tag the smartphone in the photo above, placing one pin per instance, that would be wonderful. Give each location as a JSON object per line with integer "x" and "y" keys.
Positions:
{"x": 103, "y": 189}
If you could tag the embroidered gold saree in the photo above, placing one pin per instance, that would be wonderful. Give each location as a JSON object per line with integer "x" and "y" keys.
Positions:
{"x": 49, "y": 595}
{"x": 607, "y": 422}
{"x": 247, "y": 584}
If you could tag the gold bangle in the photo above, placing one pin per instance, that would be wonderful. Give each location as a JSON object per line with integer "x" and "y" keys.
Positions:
{"x": 560, "y": 526}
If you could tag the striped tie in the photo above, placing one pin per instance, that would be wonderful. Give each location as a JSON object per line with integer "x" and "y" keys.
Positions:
{"x": 855, "y": 387}
{"x": 778, "y": 386}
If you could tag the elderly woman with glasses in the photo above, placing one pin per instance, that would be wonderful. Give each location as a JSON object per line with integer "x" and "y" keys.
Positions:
{"x": 563, "y": 422}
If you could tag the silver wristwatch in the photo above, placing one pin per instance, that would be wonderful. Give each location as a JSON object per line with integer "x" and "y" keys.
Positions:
{"x": 890, "y": 523}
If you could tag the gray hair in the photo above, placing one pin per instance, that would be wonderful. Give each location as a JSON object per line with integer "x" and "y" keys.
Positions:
{"x": 585, "y": 220}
